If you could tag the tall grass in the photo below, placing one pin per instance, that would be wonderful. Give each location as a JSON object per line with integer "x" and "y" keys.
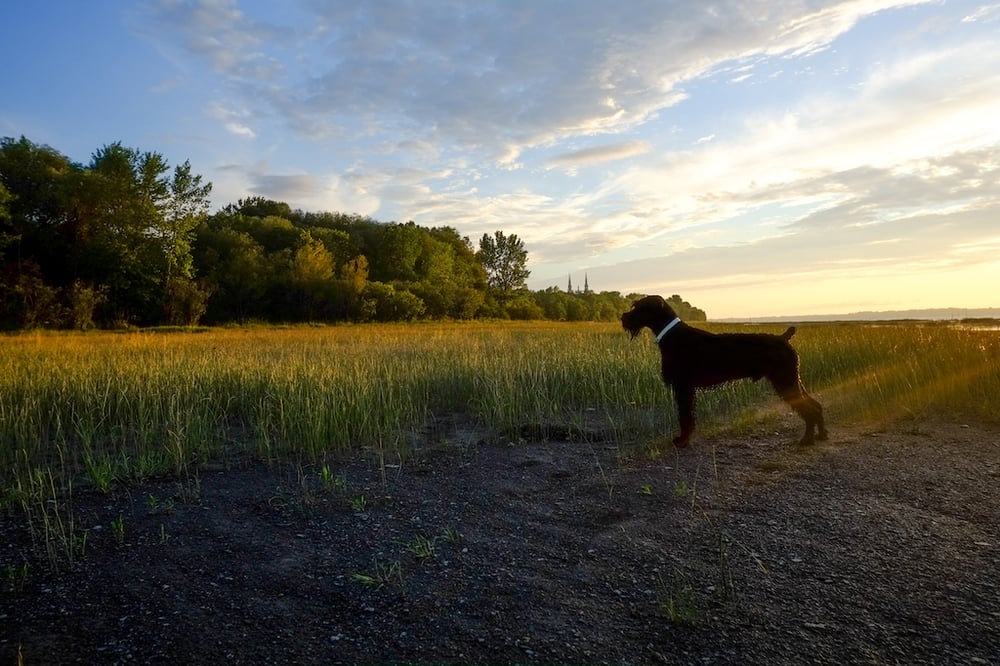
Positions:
{"x": 106, "y": 407}
{"x": 914, "y": 370}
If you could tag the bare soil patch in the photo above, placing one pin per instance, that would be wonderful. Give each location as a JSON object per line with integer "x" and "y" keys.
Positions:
{"x": 875, "y": 547}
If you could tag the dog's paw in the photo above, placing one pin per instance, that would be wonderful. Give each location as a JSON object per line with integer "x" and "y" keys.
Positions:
{"x": 681, "y": 442}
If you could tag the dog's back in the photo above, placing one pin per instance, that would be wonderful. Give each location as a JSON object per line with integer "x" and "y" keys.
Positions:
{"x": 703, "y": 359}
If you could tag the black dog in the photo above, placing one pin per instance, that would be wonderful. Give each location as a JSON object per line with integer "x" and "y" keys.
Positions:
{"x": 693, "y": 359}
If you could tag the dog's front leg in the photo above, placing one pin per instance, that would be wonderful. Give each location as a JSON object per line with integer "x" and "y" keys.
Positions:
{"x": 684, "y": 395}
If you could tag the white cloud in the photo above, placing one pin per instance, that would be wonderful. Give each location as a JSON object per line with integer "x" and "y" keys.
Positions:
{"x": 599, "y": 154}
{"x": 232, "y": 120}
{"x": 807, "y": 32}
{"x": 240, "y": 130}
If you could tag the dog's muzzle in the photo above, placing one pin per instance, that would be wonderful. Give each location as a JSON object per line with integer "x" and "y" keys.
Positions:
{"x": 630, "y": 325}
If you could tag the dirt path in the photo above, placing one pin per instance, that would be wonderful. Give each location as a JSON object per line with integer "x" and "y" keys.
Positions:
{"x": 876, "y": 547}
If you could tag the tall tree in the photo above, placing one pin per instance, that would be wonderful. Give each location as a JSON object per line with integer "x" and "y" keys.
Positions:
{"x": 350, "y": 286}
{"x": 310, "y": 278}
{"x": 395, "y": 253}
{"x": 37, "y": 181}
{"x": 184, "y": 301}
{"x": 128, "y": 192}
{"x": 505, "y": 261}
{"x": 186, "y": 208}
{"x": 34, "y": 252}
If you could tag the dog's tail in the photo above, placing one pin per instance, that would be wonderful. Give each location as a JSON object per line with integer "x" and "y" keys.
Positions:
{"x": 787, "y": 335}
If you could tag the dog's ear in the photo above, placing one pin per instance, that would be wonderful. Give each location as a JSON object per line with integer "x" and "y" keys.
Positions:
{"x": 649, "y": 302}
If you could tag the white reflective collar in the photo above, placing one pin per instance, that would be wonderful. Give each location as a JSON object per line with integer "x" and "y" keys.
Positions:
{"x": 666, "y": 329}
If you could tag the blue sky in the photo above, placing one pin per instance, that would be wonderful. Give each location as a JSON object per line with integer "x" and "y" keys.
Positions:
{"x": 778, "y": 157}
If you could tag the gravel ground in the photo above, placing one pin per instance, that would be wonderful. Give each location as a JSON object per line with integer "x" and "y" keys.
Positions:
{"x": 877, "y": 547}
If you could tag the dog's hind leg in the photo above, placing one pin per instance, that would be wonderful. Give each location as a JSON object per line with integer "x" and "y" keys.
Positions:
{"x": 818, "y": 411}
{"x": 812, "y": 413}
{"x": 684, "y": 396}
{"x": 805, "y": 406}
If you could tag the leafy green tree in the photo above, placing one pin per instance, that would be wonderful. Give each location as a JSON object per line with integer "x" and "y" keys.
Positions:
{"x": 505, "y": 261}
{"x": 36, "y": 251}
{"x": 338, "y": 243}
{"x": 185, "y": 209}
{"x": 468, "y": 274}
{"x": 36, "y": 180}
{"x": 553, "y": 303}
{"x": 348, "y": 289}
{"x": 607, "y": 305}
{"x": 355, "y": 273}
{"x": 395, "y": 253}
{"x": 84, "y": 300}
{"x": 311, "y": 274}
{"x": 29, "y": 301}
{"x": 685, "y": 310}
{"x": 524, "y": 307}
{"x": 122, "y": 248}
{"x": 311, "y": 264}
{"x": 436, "y": 283}
{"x": 386, "y": 303}
{"x": 236, "y": 268}
{"x": 272, "y": 232}
{"x": 186, "y": 301}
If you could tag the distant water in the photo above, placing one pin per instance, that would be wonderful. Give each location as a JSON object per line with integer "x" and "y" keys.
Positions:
{"x": 937, "y": 314}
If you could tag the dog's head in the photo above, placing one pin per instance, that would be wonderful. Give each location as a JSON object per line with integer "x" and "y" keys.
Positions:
{"x": 648, "y": 312}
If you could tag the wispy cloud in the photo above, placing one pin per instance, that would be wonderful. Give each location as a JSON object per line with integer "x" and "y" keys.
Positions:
{"x": 490, "y": 73}
{"x": 232, "y": 120}
{"x": 221, "y": 33}
{"x": 600, "y": 154}
{"x": 984, "y": 13}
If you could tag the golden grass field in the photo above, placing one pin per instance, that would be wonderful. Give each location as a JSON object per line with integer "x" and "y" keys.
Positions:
{"x": 105, "y": 408}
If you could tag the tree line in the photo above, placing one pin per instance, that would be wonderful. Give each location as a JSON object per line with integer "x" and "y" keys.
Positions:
{"x": 127, "y": 241}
